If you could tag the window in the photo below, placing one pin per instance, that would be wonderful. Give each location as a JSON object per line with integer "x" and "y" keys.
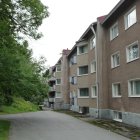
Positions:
{"x": 83, "y": 70}
{"x": 132, "y": 52}
{"x": 73, "y": 60}
{"x": 82, "y": 49}
{"x": 58, "y": 81}
{"x": 73, "y": 80}
{"x": 92, "y": 42}
{"x": 134, "y": 88}
{"x": 58, "y": 68}
{"x": 118, "y": 116}
{"x": 115, "y": 60}
{"x": 58, "y": 95}
{"x": 116, "y": 90}
{"x": 114, "y": 32}
{"x": 93, "y": 66}
{"x": 83, "y": 92}
{"x": 94, "y": 91}
{"x": 130, "y": 18}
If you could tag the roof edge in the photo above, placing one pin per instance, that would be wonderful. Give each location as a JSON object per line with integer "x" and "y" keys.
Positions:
{"x": 113, "y": 10}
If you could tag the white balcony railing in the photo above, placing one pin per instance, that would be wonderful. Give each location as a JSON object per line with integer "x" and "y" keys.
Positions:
{"x": 52, "y": 88}
{"x": 51, "y": 99}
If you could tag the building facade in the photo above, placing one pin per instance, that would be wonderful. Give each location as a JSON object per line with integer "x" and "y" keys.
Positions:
{"x": 58, "y": 94}
{"x": 101, "y": 73}
{"x": 121, "y": 31}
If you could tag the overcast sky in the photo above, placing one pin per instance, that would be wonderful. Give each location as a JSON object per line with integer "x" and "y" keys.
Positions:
{"x": 68, "y": 20}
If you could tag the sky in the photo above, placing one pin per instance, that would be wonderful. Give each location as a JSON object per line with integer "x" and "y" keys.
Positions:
{"x": 67, "y": 22}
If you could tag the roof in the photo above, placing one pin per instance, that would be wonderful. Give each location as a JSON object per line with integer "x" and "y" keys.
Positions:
{"x": 101, "y": 19}
{"x": 117, "y": 10}
{"x": 65, "y": 51}
{"x": 84, "y": 36}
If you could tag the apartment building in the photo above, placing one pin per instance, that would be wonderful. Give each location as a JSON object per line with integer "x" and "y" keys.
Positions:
{"x": 120, "y": 63}
{"x": 51, "y": 82}
{"x": 58, "y": 93}
{"x": 101, "y": 73}
{"x": 82, "y": 72}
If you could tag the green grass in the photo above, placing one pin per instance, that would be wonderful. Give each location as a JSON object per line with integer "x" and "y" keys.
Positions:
{"x": 18, "y": 106}
{"x": 4, "y": 129}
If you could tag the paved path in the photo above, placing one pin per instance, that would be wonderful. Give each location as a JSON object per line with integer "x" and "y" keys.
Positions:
{"x": 49, "y": 125}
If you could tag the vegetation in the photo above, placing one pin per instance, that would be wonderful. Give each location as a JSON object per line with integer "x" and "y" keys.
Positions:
{"x": 4, "y": 129}
{"x": 19, "y": 105}
{"x": 20, "y": 74}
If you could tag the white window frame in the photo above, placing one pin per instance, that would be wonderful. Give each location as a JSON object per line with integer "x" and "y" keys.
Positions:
{"x": 73, "y": 80}
{"x": 116, "y": 116}
{"x": 113, "y": 65}
{"x": 73, "y": 60}
{"x": 130, "y": 90}
{"x": 126, "y": 18}
{"x": 84, "y": 45}
{"x": 83, "y": 96}
{"x": 127, "y": 51}
{"x": 82, "y": 74}
{"x": 56, "y": 95}
{"x": 93, "y": 66}
{"x": 94, "y": 91}
{"x": 57, "y": 82}
{"x": 93, "y": 42}
{"x": 112, "y": 35}
{"x": 57, "y": 68}
{"x": 113, "y": 90}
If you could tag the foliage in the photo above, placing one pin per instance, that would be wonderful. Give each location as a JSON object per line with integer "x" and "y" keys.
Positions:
{"x": 21, "y": 16}
{"x": 4, "y": 129}
{"x": 19, "y": 105}
{"x": 20, "y": 75}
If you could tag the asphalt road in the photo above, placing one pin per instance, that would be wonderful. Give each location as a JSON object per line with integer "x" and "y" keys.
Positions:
{"x": 49, "y": 125}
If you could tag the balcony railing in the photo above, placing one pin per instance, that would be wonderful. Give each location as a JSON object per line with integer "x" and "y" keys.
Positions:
{"x": 51, "y": 99}
{"x": 52, "y": 79}
{"x": 52, "y": 88}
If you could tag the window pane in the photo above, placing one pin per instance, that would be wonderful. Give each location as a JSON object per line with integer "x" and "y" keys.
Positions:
{"x": 58, "y": 94}
{"x": 94, "y": 91}
{"x": 58, "y": 67}
{"x": 131, "y": 18}
{"x": 133, "y": 52}
{"x": 116, "y": 89}
{"x": 93, "y": 42}
{"x": 82, "y": 49}
{"x": 114, "y": 31}
{"x": 83, "y": 70}
{"x": 137, "y": 87}
{"x": 115, "y": 60}
{"x": 84, "y": 92}
{"x": 93, "y": 66}
{"x": 58, "y": 81}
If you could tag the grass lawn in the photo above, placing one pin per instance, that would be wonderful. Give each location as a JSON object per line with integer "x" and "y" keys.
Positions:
{"x": 19, "y": 105}
{"x": 4, "y": 129}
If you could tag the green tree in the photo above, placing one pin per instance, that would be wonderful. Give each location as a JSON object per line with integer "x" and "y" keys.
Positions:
{"x": 20, "y": 75}
{"x": 21, "y": 16}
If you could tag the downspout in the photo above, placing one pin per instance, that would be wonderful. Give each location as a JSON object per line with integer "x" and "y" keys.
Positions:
{"x": 97, "y": 84}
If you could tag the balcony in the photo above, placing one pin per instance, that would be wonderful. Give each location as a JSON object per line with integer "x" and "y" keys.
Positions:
{"x": 52, "y": 79}
{"x": 51, "y": 99}
{"x": 52, "y": 88}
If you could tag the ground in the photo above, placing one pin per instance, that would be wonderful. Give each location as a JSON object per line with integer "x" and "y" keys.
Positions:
{"x": 126, "y": 130}
{"x": 49, "y": 125}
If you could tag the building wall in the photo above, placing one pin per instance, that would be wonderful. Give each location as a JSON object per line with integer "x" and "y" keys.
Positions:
{"x": 128, "y": 106}
{"x": 104, "y": 105}
{"x": 125, "y": 71}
